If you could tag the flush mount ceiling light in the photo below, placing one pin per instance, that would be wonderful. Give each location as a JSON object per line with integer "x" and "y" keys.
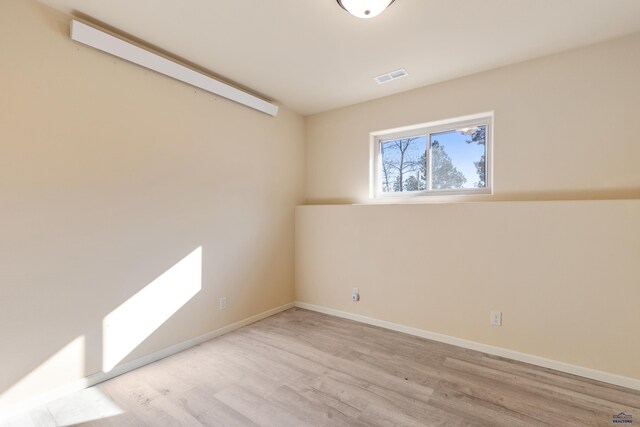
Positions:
{"x": 365, "y": 8}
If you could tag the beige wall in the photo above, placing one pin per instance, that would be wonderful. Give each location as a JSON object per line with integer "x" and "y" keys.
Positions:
{"x": 109, "y": 175}
{"x": 564, "y": 128}
{"x": 564, "y": 273}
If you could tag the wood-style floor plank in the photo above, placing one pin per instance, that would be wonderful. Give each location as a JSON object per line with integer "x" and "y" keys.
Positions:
{"x": 301, "y": 368}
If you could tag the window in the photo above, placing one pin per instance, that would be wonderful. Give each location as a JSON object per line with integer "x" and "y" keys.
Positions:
{"x": 447, "y": 157}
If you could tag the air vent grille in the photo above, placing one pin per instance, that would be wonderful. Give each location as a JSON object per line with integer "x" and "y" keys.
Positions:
{"x": 393, "y": 75}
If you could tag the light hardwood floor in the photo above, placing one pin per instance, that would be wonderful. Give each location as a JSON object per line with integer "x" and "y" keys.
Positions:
{"x": 301, "y": 368}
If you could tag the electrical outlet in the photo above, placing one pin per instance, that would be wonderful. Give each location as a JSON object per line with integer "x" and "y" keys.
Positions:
{"x": 223, "y": 303}
{"x": 355, "y": 294}
{"x": 496, "y": 318}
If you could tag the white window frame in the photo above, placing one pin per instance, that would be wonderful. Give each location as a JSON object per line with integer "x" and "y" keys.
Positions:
{"x": 427, "y": 129}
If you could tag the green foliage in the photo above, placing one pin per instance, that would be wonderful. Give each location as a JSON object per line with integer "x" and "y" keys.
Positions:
{"x": 480, "y": 169}
{"x": 444, "y": 174}
{"x": 479, "y": 136}
{"x": 411, "y": 184}
{"x": 397, "y": 184}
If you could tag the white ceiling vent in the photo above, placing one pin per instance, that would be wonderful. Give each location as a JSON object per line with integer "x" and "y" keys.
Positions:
{"x": 393, "y": 75}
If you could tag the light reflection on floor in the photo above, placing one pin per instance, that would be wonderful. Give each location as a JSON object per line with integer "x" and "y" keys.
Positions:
{"x": 83, "y": 406}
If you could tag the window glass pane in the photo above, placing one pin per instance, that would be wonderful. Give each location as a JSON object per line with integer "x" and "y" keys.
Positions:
{"x": 458, "y": 158}
{"x": 403, "y": 164}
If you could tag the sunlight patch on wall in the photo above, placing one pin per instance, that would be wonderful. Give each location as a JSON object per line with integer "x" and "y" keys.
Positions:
{"x": 131, "y": 323}
{"x": 63, "y": 367}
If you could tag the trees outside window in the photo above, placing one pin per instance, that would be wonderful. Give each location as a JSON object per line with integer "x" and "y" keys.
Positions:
{"x": 449, "y": 158}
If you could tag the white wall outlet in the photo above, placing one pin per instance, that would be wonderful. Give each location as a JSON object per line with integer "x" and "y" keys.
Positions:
{"x": 496, "y": 318}
{"x": 355, "y": 294}
{"x": 223, "y": 303}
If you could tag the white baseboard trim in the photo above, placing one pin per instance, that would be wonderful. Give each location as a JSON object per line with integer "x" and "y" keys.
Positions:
{"x": 42, "y": 399}
{"x": 568, "y": 368}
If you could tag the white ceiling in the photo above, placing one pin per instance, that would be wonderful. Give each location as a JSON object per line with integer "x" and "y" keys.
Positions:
{"x": 312, "y": 56}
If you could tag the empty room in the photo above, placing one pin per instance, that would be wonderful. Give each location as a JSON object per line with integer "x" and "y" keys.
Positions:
{"x": 319, "y": 213}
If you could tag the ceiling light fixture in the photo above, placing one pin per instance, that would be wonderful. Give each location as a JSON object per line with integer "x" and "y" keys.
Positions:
{"x": 365, "y": 8}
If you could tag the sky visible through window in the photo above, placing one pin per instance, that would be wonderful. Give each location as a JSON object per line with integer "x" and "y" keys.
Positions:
{"x": 453, "y": 162}
{"x": 463, "y": 155}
